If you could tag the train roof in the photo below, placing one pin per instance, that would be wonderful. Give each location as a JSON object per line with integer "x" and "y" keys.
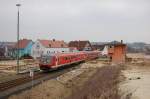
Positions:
{"x": 61, "y": 54}
{"x": 69, "y": 53}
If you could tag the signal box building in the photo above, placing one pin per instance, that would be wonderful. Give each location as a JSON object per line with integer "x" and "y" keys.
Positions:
{"x": 117, "y": 53}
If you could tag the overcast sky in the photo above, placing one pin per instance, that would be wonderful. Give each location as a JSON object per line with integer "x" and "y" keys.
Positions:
{"x": 94, "y": 20}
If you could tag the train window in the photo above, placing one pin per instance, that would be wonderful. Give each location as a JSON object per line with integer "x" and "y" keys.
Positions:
{"x": 65, "y": 58}
{"x": 46, "y": 59}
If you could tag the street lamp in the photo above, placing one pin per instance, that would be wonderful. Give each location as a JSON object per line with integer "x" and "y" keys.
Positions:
{"x": 18, "y": 5}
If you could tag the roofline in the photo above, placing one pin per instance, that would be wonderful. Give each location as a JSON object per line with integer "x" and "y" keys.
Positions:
{"x": 56, "y": 47}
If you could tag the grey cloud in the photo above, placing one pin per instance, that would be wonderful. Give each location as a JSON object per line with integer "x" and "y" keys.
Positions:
{"x": 96, "y": 20}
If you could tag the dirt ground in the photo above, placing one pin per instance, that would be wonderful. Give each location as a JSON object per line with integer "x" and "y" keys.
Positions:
{"x": 137, "y": 82}
{"x": 10, "y": 65}
{"x": 63, "y": 86}
{"x": 103, "y": 84}
{"x": 8, "y": 68}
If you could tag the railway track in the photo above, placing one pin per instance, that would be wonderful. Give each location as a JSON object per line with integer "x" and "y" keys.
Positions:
{"x": 7, "y": 88}
{"x": 10, "y": 84}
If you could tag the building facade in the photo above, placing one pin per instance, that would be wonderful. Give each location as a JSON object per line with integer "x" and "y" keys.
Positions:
{"x": 42, "y": 47}
{"x": 81, "y": 45}
{"x": 117, "y": 53}
{"x": 6, "y": 49}
{"x": 25, "y": 46}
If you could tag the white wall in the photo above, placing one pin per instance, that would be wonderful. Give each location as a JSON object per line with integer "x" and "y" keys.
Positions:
{"x": 37, "y": 49}
{"x": 105, "y": 50}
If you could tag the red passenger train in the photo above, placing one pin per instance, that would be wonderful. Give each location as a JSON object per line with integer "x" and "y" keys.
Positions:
{"x": 54, "y": 61}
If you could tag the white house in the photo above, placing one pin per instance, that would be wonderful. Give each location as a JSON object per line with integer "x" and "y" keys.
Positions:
{"x": 41, "y": 47}
{"x": 6, "y": 49}
{"x": 105, "y": 50}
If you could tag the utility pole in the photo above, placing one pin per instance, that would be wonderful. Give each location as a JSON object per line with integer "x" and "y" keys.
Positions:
{"x": 18, "y": 5}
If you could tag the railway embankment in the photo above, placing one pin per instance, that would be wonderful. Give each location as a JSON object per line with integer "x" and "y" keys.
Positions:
{"x": 91, "y": 80}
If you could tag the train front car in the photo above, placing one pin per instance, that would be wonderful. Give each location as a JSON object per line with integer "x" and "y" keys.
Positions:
{"x": 54, "y": 61}
{"x": 47, "y": 62}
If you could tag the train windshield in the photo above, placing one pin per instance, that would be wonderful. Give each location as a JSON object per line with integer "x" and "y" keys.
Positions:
{"x": 46, "y": 59}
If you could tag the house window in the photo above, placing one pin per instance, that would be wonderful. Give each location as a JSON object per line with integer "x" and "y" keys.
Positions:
{"x": 37, "y": 46}
{"x": 50, "y": 45}
{"x": 38, "y": 52}
{"x": 62, "y": 45}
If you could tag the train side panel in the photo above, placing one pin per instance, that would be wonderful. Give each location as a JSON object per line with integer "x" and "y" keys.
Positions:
{"x": 59, "y": 60}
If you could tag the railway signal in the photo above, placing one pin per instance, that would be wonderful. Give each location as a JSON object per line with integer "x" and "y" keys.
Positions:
{"x": 32, "y": 75}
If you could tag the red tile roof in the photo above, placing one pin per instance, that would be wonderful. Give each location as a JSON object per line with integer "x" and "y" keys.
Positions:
{"x": 80, "y": 45}
{"x": 53, "y": 43}
{"x": 23, "y": 43}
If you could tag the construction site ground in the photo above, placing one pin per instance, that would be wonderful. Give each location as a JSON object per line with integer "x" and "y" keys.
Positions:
{"x": 137, "y": 81}
{"x": 63, "y": 86}
{"x": 8, "y": 68}
{"x": 95, "y": 80}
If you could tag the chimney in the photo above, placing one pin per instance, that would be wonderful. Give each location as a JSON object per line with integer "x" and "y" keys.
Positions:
{"x": 121, "y": 41}
{"x": 53, "y": 40}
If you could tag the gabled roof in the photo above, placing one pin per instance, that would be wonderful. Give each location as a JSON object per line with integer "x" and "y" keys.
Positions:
{"x": 53, "y": 43}
{"x": 80, "y": 45}
{"x": 23, "y": 43}
{"x": 99, "y": 43}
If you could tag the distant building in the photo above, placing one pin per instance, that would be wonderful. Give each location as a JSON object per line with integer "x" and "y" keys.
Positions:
{"x": 81, "y": 45}
{"x": 135, "y": 57}
{"x": 105, "y": 50}
{"x": 103, "y": 46}
{"x": 41, "y": 47}
{"x": 99, "y": 45}
{"x": 6, "y": 49}
{"x": 147, "y": 49}
{"x": 137, "y": 47}
{"x": 25, "y": 46}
